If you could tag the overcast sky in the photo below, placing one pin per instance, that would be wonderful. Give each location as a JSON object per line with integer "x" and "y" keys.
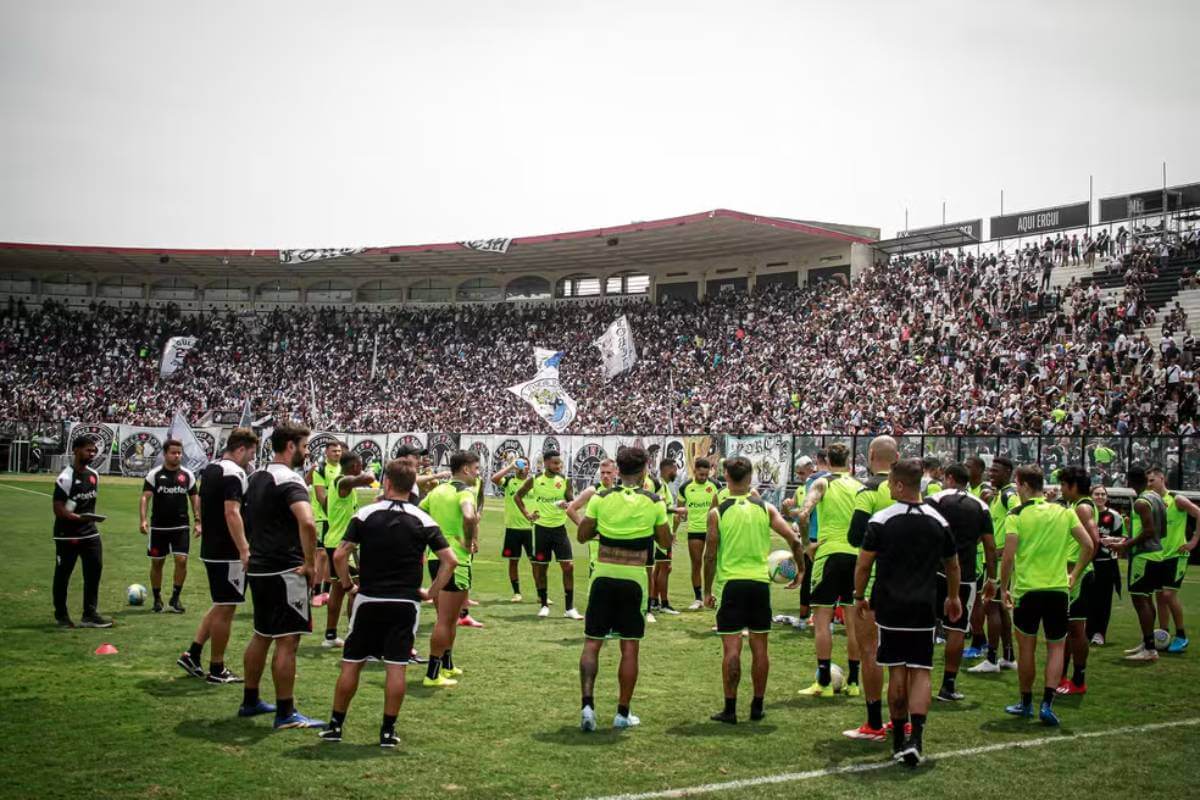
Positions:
{"x": 256, "y": 124}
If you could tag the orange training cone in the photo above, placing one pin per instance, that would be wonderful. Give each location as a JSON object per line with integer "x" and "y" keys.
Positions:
{"x": 106, "y": 649}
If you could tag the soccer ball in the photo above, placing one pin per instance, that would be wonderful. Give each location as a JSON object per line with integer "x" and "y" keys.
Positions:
{"x": 1161, "y": 639}
{"x": 837, "y": 678}
{"x": 781, "y": 566}
{"x": 136, "y": 594}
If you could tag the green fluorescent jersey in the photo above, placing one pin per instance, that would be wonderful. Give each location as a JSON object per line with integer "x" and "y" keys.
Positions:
{"x": 444, "y": 504}
{"x": 745, "y": 543}
{"x": 1176, "y": 528}
{"x": 547, "y": 491}
{"x": 513, "y": 518}
{"x": 323, "y": 475}
{"x": 931, "y": 488}
{"x": 626, "y": 517}
{"x": 1003, "y": 501}
{"x": 341, "y": 510}
{"x": 1152, "y": 548}
{"x": 1073, "y": 551}
{"x": 834, "y": 513}
{"x": 980, "y": 560}
{"x": 1044, "y": 540}
{"x": 698, "y": 497}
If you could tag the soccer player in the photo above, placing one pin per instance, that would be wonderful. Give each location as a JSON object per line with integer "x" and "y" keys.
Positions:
{"x": 454, "y": 507}
{"x": 552, "y": 494}
{"x": 576, "y": 508}
{"x": 971, "y": 526}
{"x": 660, "y": 578}
{"x": 1075, "y": 485}
{"x": 832, "y": 499}
{"x": 1145, "y": 548}
{"x": 696, "y": 494}
{"x": 902, "y": 550}
{"x": 321, "y": 479}
{"x": 871, "y": 499}
{"x": 391, "y": 536}
{"x": 931, "y": 482}
{"x": 1109, "y": 525}
{"x": 1003, "y": 499}
{"x": 977, "y": 487}
{"x": 735, "y": 557}
{"x": 628, "y": 520}
{"x": 76, "y": 537}
{"x": 518, "y": 531}
{"x": 283, "y": 543}
{"x": 172, "y": 487}
{"x": 224, "y": 552}
{"x": 1037, "y": 584}
{"x": 811, "y": 472}
{"x": 1176, "y": 550}
{"x": 341, "y": 501}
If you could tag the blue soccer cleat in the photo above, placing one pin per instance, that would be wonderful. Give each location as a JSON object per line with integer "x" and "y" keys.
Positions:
{"x": 297, "y": 720}
{"x": 1177, "y": 645}
{"x": 1019, "y": 710}
{"x": 972, "y": 653}
{"x": 1047, "y": 716}
{"x": 262, "y": 707}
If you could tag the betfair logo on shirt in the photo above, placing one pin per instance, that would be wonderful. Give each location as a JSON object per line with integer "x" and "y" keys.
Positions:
{"x": 171, "y": 489}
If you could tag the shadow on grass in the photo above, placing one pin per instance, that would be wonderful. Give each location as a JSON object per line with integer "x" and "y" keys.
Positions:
{"x": 232, "y": 730}
{"x": 571, "y": 735}
{"x": 958, "y": 706}
{"x": 710, "y": 728}
{"x": 1022, "y": 725}
{"x": 341, "y": 752}
{"x": 181, "y": 687}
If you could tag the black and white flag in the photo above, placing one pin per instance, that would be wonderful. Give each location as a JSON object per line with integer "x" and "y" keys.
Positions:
{"x": 306, "y": 255}
{"x": 175, "y": 353}
{"x": 617, "y": 350}
{"x": 488, "y": 245}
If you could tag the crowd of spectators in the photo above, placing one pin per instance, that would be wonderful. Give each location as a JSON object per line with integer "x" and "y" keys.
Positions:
{"x": 941, "y": 344}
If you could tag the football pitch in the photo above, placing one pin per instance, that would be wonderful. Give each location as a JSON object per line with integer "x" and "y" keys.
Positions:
{"x": 133, "y": 725}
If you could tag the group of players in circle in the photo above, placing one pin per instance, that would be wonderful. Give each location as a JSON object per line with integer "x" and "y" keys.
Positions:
{"x": 910, "y": 552}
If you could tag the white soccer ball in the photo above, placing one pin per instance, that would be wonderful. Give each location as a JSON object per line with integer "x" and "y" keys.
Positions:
{"x": 781, "y": 567}
{"x": 136, "y": 594}
{"x": 837, "y": 678}
{"x": 1161, "y": 639}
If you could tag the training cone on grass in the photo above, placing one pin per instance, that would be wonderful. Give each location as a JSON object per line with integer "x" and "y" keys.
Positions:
{"x": 106, "y": 649}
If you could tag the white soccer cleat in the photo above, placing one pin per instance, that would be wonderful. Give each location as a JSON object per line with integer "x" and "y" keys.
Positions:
{"x": 1006, "y": 664}
{"x": 571, "y": 613}
{"x": 696, "y": 605}
{"x": 516, "y": 598}
{"x": 626, "y": 722}
{"x": 984, "y": 668}
{"x": 650, "y": 617}
{"x": 1135, "y": 650}
{"x": 336, "y": 642}
{"x": 544, "y": 612}
{"x": 587, "y": 719}
{"x": 1143, "y": 655}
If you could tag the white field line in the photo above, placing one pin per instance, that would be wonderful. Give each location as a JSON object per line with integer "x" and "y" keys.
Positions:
{"x": 791, "y": 777}
{"x": 29, "y": 491}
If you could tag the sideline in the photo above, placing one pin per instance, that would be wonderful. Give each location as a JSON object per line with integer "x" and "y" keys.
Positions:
{"x": 19, "y": 489}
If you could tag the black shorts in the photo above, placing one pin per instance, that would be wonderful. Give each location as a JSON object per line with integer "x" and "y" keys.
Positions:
{"x": 1173, "y": 571}
{"x": 168, "y": 543}
{"x": 1145, "y": 576}
{"x": 966, "y": 594}
{"x": 516, "y": 540}
{"x": 1047, "y": 608}
{"x": 833, "y": 580}
{"x": 1077, "y": 610}
{"x": 697, "y": 536}
{"x": 322, "y": 529}
{"x": 661, "y": 555}
{"x": 382, "y": 629}
{"x": 806, "y": 583}
{"x": 549, "y": 542}
{"x": 616, "y": 606}
{"x": 905, "y": 648}
{"x": 744, "y": 604}
{"x": 281, "y": 604}
{"x": 226, "y": 582}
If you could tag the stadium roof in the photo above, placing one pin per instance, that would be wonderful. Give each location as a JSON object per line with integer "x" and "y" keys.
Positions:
{"x": 920, "y": 242}
{"x": 638, "y": 245}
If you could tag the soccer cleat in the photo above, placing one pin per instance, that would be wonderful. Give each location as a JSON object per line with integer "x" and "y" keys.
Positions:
{"x": 866, "y": 733}
{"x": 948, "y": 696}
{"x": 1098, "y": 640}
{"x": 972, "y": 653}
{"x": 1070, "y": 687}
{"x": 388, "y": 739}
{"x": 696, "y": 605}
{"x": 1062, "y": 686}
{"x": 984, "y": 668}
{"x": 417, "y": 658}
{"x": 756, "y": 714}
{"x": 1134, "y": 650}
{"x": 626, "y": 722}
{"x": 95, "y": 621}
{"x": 158, "y": 607}
{"x": 176, "y": 607}
{"x": 438, "y": 682}
{"x": 939, "y": 640}
{"x": 721, "y": 716}
{"x": 1047, "y": 716}
{"x": 650, "y": 617}
{"x": 587, "y": 719}
{"x": 852, "y": 690}
{"x": 319, "y": 600}
{"x": 1143, "y": 655}
{"x": 331, "y": 734}
{"x": 544, "y": 612}
{"x": 224, "y": 676}
{"x": 64, "y": 621}
{"x": 1177, "y": 645}
{"x": 1019, "y": 710}
{"x": 261, "y": 707}
{"x": 800, "y": 626}
{"x": 516, "y": 598}
{"x": 674, "y": 612}
{"x": 571, "y": 613}
{"x": 190, "y": 665}
{"x": 911, "y": 756}
{"x": 334, "y": 643}
{"x": 1006, "y": 664}
{"x": 452, "y": 672}
{"x": 297, "y": 720}
{"x": 817, "y": 690}
{"x": 469, "y": 622}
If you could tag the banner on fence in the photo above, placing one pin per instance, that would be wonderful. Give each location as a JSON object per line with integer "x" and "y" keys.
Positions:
{"x": 440, "y": 446}
{"x": 103, "y": 434}
{"x": 139, "y": 449}
{"x": 397, "y": 440}
{"x": 371, "y": 448}
{"x": 771, "y": 455}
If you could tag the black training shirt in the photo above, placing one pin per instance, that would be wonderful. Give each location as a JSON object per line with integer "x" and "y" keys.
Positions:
{"x": 219, "y": 481}
{"x": 392, "y": 536}
{"x": 271, "y": 527}
{"x": 910, "y": 542}
{"x": 169, "y": 505}
{"x": 78, "y": 490}
{"x": 969, "y": 521}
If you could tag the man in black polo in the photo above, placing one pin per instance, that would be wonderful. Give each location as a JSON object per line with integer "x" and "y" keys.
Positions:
{"x": 391, "y": 536}
{"x": 76, "y": 537}
{"x": 167, "y": 492}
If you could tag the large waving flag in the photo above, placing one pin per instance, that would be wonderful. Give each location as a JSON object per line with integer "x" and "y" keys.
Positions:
{"x": 617, "y": 350}
{"x": 194, "y": 456}
{"x": 174, "y": 354}
{"x": 544, "y": 359}
{"x": 547, "y": 398}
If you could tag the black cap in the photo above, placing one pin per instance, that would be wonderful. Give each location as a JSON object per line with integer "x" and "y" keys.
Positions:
{"x": 409, "y": 450}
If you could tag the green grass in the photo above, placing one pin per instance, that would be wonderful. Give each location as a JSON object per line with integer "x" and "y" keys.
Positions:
{"x": 133, "y": 725}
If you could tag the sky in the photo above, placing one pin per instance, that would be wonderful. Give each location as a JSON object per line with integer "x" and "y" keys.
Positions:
{"x": 317, "y": 124}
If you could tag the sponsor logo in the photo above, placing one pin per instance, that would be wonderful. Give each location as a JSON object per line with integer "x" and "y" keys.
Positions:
{"x": 586, "y": 464}
{"x": 138, "y": 453}
{"x": 164, "y": 489}
{"x": 102, "y": 435}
